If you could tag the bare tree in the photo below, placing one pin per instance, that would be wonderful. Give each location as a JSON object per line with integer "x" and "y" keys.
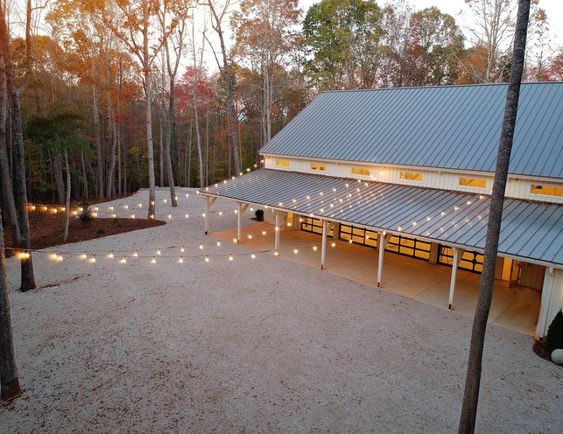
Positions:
{"x": 494, "y": 22}
{"x": 137, "y": 31}
{"x": 474, "y": 365}
{"x": 20, "y": 187}
{"x": 9, "y": 380}
{"x": 218, "y": 15}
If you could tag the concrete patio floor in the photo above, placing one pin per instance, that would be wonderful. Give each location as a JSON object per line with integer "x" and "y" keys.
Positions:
{"x": 514, "y": 307}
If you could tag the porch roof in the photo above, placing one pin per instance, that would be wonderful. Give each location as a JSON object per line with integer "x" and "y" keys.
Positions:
{"x": 530, "y": 231}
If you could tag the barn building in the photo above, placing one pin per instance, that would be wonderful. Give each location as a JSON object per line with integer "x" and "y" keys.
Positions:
{"x": 409, "y": 171}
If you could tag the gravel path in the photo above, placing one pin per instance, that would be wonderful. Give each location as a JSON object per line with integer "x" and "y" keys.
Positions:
{"x": 263, "y": 345}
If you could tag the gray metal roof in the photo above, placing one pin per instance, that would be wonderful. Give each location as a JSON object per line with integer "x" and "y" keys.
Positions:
{"x": 451, "y": 127}
{"x": 529, "y": 230}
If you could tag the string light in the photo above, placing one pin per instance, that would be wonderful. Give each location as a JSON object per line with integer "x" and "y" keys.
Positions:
{"x": 123, "y": 260}
{"x": 253, "y": 255}
{"x": 153, "y": 261}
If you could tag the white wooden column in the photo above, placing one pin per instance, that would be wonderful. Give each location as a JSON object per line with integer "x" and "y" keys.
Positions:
{"x": 208, "y": 204}
{"x": 277, "y": 231}
{"x": 207, "y": 210}
{"x": 241, "y": 208}
{"x": 456, "y": 256}
{"x": 383, "y": 237}
{"x": 323, "y": 244}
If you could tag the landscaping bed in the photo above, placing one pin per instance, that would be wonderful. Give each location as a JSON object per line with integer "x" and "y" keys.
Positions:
{"x": 47, "y": 229}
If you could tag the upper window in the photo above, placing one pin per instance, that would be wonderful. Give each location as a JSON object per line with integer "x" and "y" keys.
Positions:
{"x": 547, "y": 190}
{"x": 318, "y": 166}
{"x": 411, "y": 176}
{"x": 282, "y": 163}
{"x": 358, "y": 170}
{"x": 473, "y": 182}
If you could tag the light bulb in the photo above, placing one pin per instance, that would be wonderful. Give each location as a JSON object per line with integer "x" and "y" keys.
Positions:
{"x": 135, "y": 255}
{"x": 333, "y": 244}
{"x": 169, "y": 216}
{"x": 92, "y": 260}
{"x": 181, "y": 260}
{"x": 315, "y": 248}
{"x": 153, "y": 261}
{"x": 249, "y": 236}
{"x": 201, "y": 247}
{"x": 276, "y": 253}
{"x": 218, "y": 243}
{"x": 231, "y": 258}
{"x": 182, "y": 249}
{"x": 187, "y": 216}
{"x": 295, "y": 251}
{"x": 83, "y": 256}
{"x": 207, "y": 259}
{"x": 253, "y": 256}
{"x": 158, "y": 252}
{"x": 123, "y": 261}
{"x": 110, "y": 255}
{"x": 263, "y": 232}
{"x": 235, "y": 240}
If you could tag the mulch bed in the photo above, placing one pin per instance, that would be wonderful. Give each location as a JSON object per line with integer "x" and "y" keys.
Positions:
{"x": 47, "y": 229}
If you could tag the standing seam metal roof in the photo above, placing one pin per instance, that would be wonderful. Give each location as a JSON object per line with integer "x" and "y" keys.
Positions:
{"x": 449, "y": 127}
{"x": 529, "y": 229}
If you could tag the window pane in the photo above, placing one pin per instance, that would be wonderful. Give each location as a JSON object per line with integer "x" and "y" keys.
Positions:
{"x": 411, "y": 176}
{"x": 282, "y": 163}
{"x": 318, "y": 166}
{"x": 547, "y": 190}
{"x": 361, "y": 171}
{"x": 473, "y": 182}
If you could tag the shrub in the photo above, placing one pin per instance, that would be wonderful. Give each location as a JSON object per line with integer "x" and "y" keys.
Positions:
{"x": 554, "y": 338}
{"x": 118, "y": 223}
{"x": 85, "y": 215}
{"x": 100, "y": 231}
{"x": 259, "y": 214}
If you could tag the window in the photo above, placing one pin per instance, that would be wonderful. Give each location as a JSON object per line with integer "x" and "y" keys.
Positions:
{"x": 282, "y": 163}
{"x": 361, "y": 236}
{"x": 318, "y": 166}
{"x": 547, "y": 190}
{"x": 309, "y": 224}
{"x": 473, "y": 182}
{"x": 470, "y": 261}
{"x": 409, "y": 247}
{"x": 364, "y": 171}
{"x": 411, "y": 176}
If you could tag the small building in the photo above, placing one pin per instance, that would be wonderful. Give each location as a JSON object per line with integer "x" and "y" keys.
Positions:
{"x": 409, "y": 171}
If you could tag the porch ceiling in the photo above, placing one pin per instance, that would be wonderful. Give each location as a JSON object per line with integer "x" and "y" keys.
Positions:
{"x": 530, "y": 230}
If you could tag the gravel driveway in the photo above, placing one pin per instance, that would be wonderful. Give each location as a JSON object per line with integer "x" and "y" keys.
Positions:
{"x": 252, "y": 345}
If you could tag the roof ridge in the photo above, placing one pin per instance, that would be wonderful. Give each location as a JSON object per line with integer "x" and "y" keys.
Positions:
{"x": 439, "y": 86}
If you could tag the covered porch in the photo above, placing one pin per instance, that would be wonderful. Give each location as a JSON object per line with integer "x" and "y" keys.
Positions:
{"x": 513, "y": 307}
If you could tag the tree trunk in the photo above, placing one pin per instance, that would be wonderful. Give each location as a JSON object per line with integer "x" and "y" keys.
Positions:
{"x": 111, "y": 170}
{"x": 10, "y": 384}
{"x": 473, "y": 378}
{"x": 20, "y": 187}
{"x": 100, "y": 167}
{"x": 85, "y": 176}
{"x": 161, "y": 152}
{"x": 170, "y": 141}
{"x": 5, "y": 175}
{"x": 67, "y": 201}
{"x": 58, "y": 174}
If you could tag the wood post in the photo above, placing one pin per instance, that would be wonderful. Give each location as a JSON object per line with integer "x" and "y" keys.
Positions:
{"x": 323, "y": 244}
{"x": 239, "y": 221}
{"x": 383, "y": 237}
{"x": 277, "y": 230}
{"x": 456, "y": 253}
{"x": 207, "y": 209}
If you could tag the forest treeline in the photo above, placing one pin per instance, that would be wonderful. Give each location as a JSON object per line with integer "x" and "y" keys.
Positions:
{"x": 120, "y": 94}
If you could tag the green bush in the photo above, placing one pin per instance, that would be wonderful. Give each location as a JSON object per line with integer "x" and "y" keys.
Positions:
{"x": 554, "y": 338}
{"x": 100, "y": 231}
{"x": 85, "y": 215}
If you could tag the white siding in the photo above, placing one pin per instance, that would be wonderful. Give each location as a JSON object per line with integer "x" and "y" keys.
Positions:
{"x": 516, "y": 188}
{"x": 551, "y": 299}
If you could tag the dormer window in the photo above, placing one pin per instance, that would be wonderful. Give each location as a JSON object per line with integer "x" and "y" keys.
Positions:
{"x": 318, "y": 166}
{"x": 411, "y": 176}
{"x": 473, "y": 182}
{"x": 547, "y": 190}
{"x": 359, "y": 170}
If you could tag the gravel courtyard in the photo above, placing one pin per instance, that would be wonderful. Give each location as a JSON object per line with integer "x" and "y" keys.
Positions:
{"x": 252, "y": 345}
